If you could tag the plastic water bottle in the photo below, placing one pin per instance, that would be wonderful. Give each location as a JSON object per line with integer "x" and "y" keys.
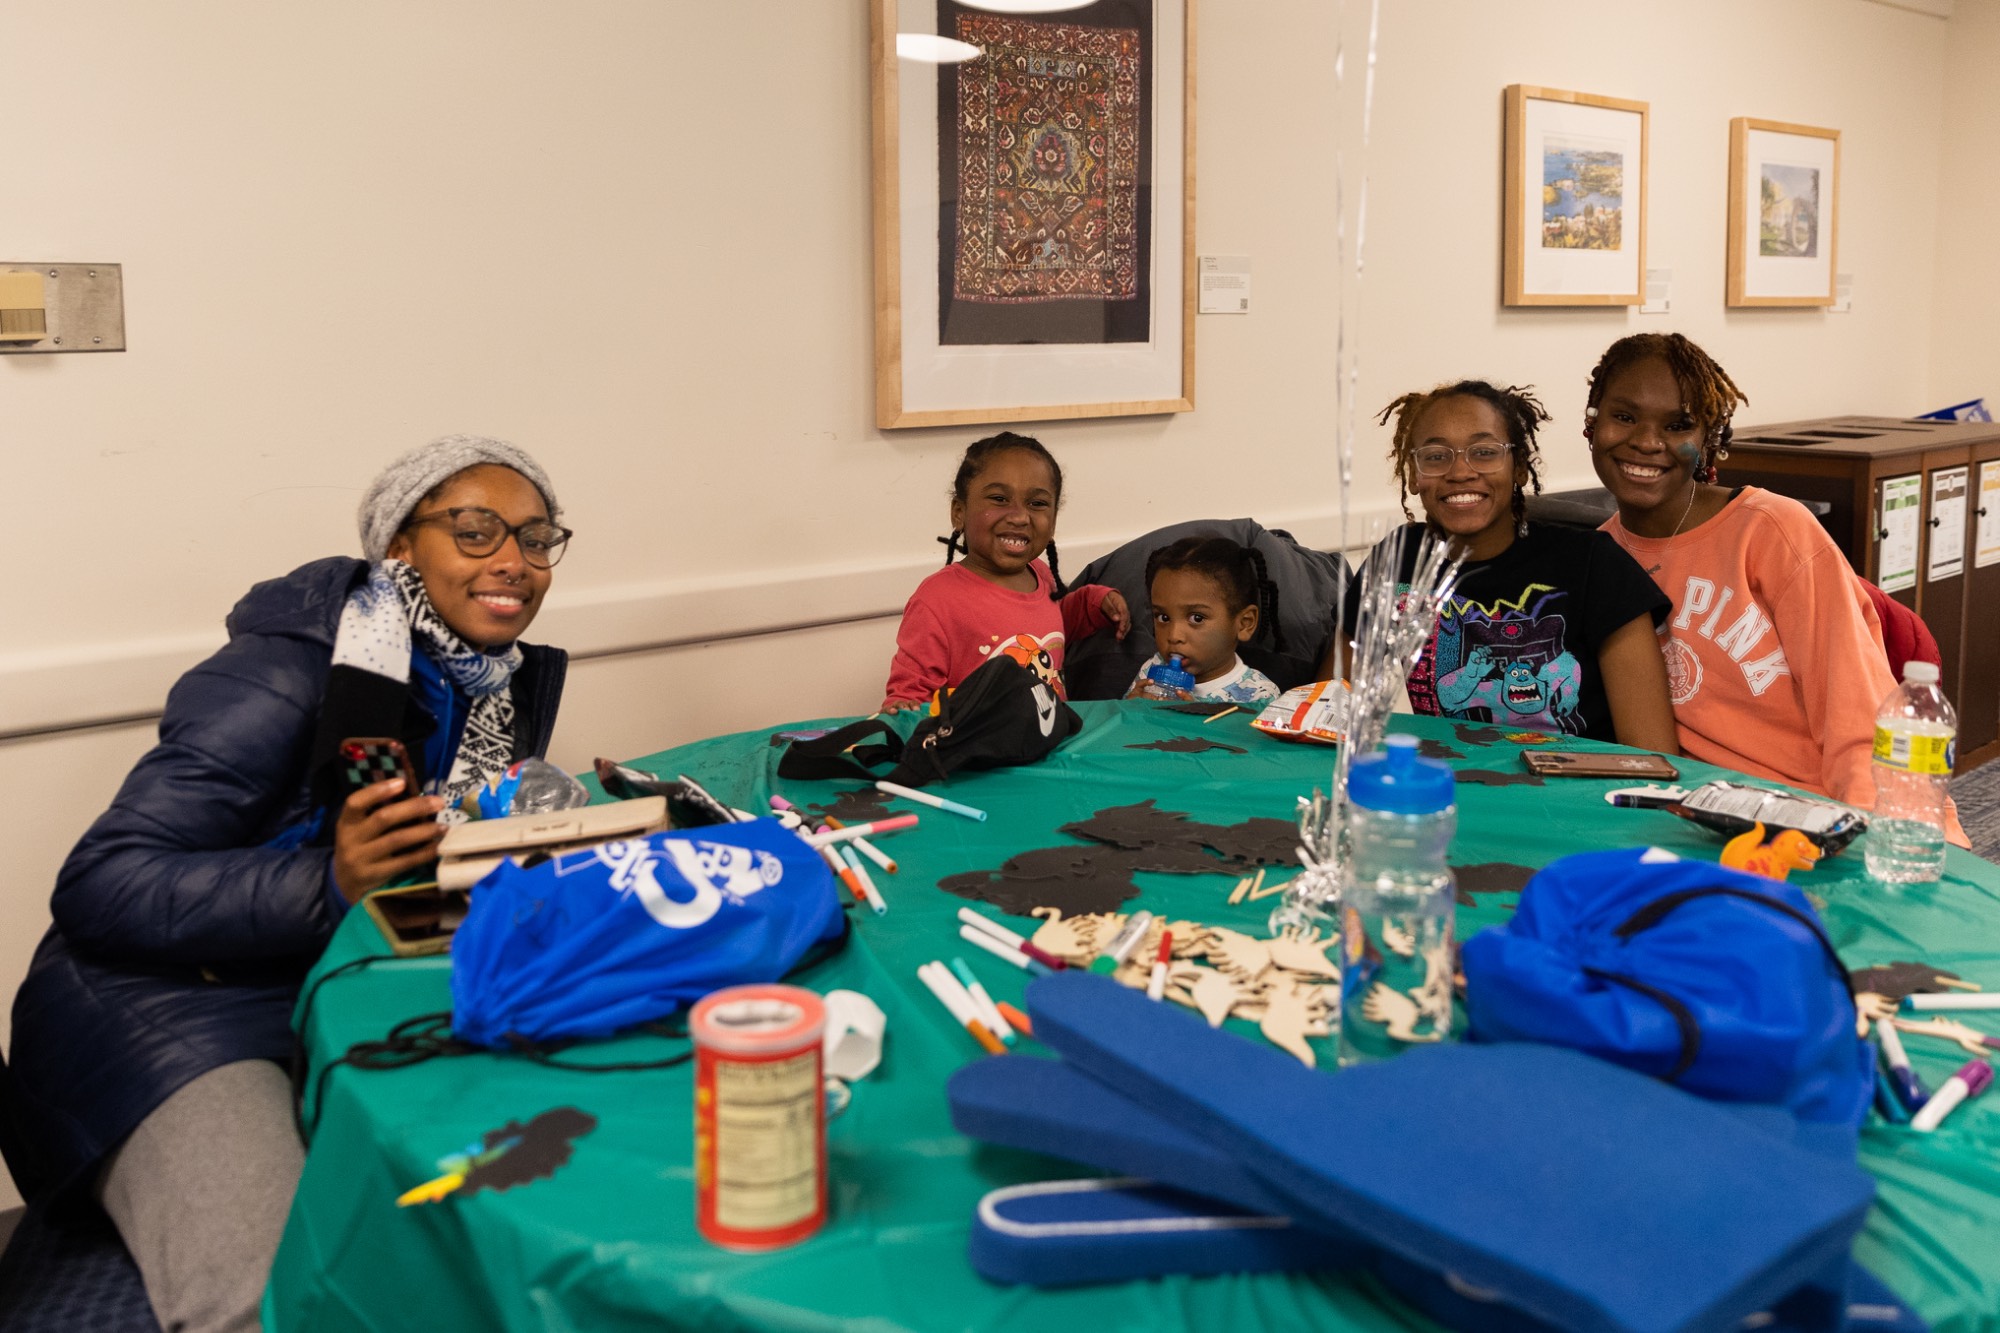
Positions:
{"x": 1398, "y": 902}
{"x": 1916, "y": 735}
{"x": 1164, "y": 678}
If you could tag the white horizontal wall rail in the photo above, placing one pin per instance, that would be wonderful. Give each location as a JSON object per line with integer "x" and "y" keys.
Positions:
{"x": 67, "y": 688}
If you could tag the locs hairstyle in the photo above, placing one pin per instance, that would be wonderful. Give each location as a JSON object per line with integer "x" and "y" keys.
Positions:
{"x": 1707, "y": 392}
{"x": 1518, "y": 407}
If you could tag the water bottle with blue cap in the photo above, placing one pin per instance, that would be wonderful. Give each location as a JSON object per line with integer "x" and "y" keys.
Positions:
{"x": 1397, "y": 903}
{"x": 1169, "y": 679}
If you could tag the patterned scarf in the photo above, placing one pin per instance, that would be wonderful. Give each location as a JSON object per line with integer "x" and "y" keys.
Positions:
{"x": 379, "y": 627}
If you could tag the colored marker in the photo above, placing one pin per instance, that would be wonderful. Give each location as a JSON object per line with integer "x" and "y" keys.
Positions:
{"x": 1909, "y": 1088}
{"x": 1006, "y": 936}
{"x": 1016, "y": 1019}
{"x": 954, "y": 998}
{"x": 1156, "y": 985}
{"x": 989, "y": 1011}
{"x": 935, "y": 802}
{"x": 1887, "y": 1102}
{"x": 1004, "y": 951}
{"x": 1971, "y": 1079}
{"x": 1113, "y": 955}
{"x": 867, "y": 849}
{"x": 826, "y": 835}
{"x": 838, "y": 867}
{"x": 872, "y": 894}
{"x": 1961, "y": 1000}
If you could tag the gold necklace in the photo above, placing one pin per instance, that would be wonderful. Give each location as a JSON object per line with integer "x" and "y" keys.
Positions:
{"x": 1693, "y": 486}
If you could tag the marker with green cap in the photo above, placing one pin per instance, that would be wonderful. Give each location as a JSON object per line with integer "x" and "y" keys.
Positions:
{"x": 1113, "y": 955}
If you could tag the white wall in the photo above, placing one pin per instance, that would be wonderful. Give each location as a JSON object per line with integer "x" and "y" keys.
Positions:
{"x": 635, "y": 237}
{"x": 1965, "y": 348}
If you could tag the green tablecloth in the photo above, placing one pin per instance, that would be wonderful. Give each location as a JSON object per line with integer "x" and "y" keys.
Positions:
{"x": 608, "y": 1242}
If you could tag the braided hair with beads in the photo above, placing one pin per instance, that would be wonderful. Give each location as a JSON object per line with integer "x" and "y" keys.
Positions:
{"x": 1708, "y": 395}
{"x": 976, "y": 456}
{"x": 1519, "y": 409}
{"x": 1238, "y": 570}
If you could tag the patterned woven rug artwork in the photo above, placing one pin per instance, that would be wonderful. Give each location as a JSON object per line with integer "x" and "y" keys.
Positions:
{"x": 1049, "y": 162}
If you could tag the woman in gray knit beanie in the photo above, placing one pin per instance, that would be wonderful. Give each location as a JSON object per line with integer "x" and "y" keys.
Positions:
{"x": 154, "y": 1021}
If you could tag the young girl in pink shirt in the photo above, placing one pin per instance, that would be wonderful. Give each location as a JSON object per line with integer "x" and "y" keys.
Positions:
{"x": 1001, "y": 598}
{"x": 1773, "y": 651}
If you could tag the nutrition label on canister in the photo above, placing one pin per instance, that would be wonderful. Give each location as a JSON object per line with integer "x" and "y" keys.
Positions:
{"x": 766, "y": 1144}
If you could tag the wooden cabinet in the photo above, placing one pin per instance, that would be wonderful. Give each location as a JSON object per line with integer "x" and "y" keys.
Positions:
{"x": 1906, "y": 501}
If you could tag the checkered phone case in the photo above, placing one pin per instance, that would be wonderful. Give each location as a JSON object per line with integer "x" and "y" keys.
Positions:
{"x": 365, "y": 762}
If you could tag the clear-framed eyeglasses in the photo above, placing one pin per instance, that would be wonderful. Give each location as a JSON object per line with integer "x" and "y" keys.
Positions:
{"x": 1435, "y": 460}
{"x": 481, "y": 532}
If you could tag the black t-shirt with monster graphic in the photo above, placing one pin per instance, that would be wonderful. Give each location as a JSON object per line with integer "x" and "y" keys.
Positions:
{"x": 1517, "y": 644}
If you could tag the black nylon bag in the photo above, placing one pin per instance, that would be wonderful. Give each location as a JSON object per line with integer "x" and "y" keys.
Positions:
{"x": 1001, "y": 715}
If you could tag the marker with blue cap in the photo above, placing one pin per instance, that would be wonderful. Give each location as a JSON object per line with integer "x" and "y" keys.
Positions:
{"x": 1909, "y": 1088}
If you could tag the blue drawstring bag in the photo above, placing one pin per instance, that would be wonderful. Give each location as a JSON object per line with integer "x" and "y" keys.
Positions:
{"x": 591, "y": 942}
{"x": 1719, "y": 982}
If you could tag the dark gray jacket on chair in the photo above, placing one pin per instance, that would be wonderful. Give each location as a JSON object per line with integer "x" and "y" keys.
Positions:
{"x": 188, "y": 914}
{"x": 1310, "y": 584}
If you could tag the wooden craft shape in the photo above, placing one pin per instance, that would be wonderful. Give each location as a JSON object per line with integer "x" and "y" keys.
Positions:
{"x": 1291, "y": 1014}
{"x": 1214, "y": 996}
{"x": 1303, "y": 952}
{"x": 1966, "y": 1036}
{"x": 1434, "y": 996}
{"x": 1868, "y": 1007}
{"x": 1397, "y": 940}
{"x": 1395, "y": 1011}
{"x": 1073, "y": 940}
{"x": 1237, "y": 953}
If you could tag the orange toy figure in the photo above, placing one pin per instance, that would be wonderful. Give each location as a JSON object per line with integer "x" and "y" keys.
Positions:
{"x": 1790, "y": 850}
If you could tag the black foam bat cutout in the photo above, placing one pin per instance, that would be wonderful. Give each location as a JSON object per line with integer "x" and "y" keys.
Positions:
{"x": 1471, "y": 734}
{"x": 1131, "y": 839}
{"x": 1431, "y": 749}
{"x": 1490, "y": 877}
{"x": 1893, "y": 981}
{"x": 1200, "y": 707}
{"x": 856, "y": 805}
{"x": 1488, "y": 777}
{"x": 1188, "y": 745}
{"x": 1102, "y": 889}
{"x": 516, "y": 1153}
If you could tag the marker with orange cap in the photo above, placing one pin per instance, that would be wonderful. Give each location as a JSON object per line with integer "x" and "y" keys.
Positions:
{"x": 941, "y": 983}
{"x": 867, "y": 848}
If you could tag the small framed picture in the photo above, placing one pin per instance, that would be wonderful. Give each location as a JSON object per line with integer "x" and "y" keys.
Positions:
{"x": 1784, "y": 213}
{"x": 1575, "y": 224}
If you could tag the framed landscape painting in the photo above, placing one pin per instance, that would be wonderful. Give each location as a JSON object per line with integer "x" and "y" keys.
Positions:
{"x": 1784, "y": 213}
{"x": 1034, "y": 210}
{"x": 1575, "y": 211}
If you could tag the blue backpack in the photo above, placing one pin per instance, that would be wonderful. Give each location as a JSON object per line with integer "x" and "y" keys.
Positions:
{"x": 1719, "y": 982}
{"x": 592, "y": 942}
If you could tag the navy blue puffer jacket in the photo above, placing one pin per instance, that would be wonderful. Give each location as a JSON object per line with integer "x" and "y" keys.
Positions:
{"x": 180, "y": 938}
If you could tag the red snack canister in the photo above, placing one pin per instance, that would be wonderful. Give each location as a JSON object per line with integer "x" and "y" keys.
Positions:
{"x": 759, "y": 1116}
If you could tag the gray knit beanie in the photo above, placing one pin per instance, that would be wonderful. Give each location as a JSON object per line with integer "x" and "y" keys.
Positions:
{"x": 404, "y": 483}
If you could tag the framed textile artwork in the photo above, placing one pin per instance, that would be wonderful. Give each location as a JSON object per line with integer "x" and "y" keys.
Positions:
{"x": 1784, "y": 207}
{"x": 1576, "y": 196}
{"x": 1034, "y": 212}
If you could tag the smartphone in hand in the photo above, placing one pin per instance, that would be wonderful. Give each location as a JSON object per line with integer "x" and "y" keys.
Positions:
{"x": 365, "y": 760}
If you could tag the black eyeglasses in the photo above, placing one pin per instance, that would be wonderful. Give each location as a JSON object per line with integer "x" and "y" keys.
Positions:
{"x": 1434, "y": 460}
{"x": 481, "y": 532}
